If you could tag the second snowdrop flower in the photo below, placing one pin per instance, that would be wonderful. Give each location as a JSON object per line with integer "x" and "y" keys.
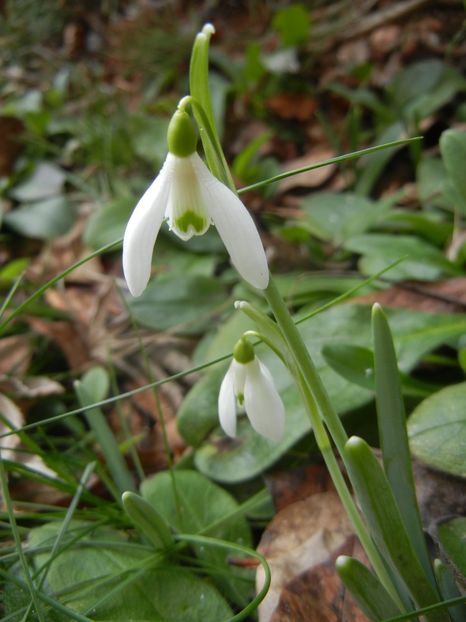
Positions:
{"x": 190, "y": 198}
{"x": 249, "y": 385}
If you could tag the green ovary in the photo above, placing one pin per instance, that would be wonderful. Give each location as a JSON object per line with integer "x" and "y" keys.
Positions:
{"x": 190, "y": 219}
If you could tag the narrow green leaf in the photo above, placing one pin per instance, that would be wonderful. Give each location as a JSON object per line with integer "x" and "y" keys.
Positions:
{"x": 366, "y": 589}
{"x": 199, "y": 88}
{"x": 386, "y": 525}
{"x": 147, "y": 520}
{"x": 449, "y": 589}
{"x": 391, "y": 418}
{"x": 91, "y": 389}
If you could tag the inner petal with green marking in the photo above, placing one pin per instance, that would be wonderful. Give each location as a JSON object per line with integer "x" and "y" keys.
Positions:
{"x": 191, "y": 219}
{"x": 186, "y": 212}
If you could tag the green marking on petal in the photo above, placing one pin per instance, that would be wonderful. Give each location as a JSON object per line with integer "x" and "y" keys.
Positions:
{"x": 190, "y": 219}
{"x": 240, "y": 398}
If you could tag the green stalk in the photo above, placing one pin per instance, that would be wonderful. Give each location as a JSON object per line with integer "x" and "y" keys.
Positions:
{"x": 306, "y": 365}
{"x": 323, "y": 442}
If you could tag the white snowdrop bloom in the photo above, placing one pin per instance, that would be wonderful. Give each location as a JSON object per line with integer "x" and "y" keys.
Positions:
{"x": 249, "y": 384}
{"x": 190, "y": 198}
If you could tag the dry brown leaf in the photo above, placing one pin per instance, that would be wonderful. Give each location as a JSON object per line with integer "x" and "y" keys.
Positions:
{"x": 10, "y": 131}
{"x": 299, "y": 106}
{"x": 385, "y": 39}
{"x": 440, "y": 496}
{"x": 288, "y": 487}
{"x": 59, "y": 254}
{"x": 301, "y": 545}
{"x": 15, "y": 417}
{"x": 68, "y": 338}
{"x": 11, "y": 445}
{"x": 15, "y": 354}
{"x": 93, "y": 329}
{"x": 30, "y": 388}
{"x": 143, "y": 416}
{"x": 441, "y": 296}
{"x": 310, "y": 179}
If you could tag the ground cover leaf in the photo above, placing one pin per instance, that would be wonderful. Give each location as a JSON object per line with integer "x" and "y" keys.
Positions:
{"x": 45, "y": 219}
{"x": 422, "y": 88}
{"x": 108, "y": 223}
{"x": 190, "y": 503}
{"x": 107, "y": 578}
{"x": 452, "y": 536}
{"x": 233, "y": 460}
{"x": 46, "y": 181}
{"x": 185, "y": 304}
{"x": 437, "y": 430}
{"x": 431, "y": 178}
{"x": 453, "y": 149}
{"x": 423, "y": 261}
{"x": 337, "y": 217}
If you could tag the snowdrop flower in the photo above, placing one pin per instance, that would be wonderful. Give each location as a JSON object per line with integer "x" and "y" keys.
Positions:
{"x": 190, "y": 198}
{"x": 249, "y": 384}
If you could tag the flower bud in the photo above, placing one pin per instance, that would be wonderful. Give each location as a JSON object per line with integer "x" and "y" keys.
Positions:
{"x": 181, "y": 135}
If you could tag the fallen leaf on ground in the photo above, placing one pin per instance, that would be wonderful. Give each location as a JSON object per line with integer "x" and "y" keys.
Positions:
{"x": 310, "y": 179}
{"x": 301, "y": 545}
{"x": 299, "y": 106}
{"x": 15, "y": 354}
{"x": 11, "y": 145}
{"x": 441, "y": 296}
{"x": 14, "y": 416}
{"x": 11, "y": 445}
{"x": 30, "y": 388}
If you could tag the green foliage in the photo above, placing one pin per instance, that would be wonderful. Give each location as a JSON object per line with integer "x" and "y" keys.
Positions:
{"x": 437, "y": 429}
{"x": 109, "y": 578}
{"x": 185, "y": 305}
{"x": 88, "y": 144}
{"x": 451, "y": 534}
{"x": 231, "y": 461}
{"x": 190, "y": 503}
{"x": 293, "y": 24}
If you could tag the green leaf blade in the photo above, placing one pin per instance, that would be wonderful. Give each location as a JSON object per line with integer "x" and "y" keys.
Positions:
{"x": 391, "y": 418}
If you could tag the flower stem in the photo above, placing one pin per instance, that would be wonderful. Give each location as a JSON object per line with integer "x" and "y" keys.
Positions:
{"x": 318, "y": 405}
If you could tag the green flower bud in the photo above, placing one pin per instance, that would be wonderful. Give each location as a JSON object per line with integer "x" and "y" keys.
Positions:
{"x": 243, "y": 352}
{"x": 181, "y": 135}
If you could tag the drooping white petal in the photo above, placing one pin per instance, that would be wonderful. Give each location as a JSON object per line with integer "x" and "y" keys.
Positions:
{"x": 235, "y": 226}
{"x": 227, "y": 403}
{"x": 263, "y": 404}
{"x": 186, "y": 211}
{"x": 142, "y": 230}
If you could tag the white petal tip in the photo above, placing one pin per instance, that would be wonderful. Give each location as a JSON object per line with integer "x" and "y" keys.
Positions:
{"x": 208, "y": 29}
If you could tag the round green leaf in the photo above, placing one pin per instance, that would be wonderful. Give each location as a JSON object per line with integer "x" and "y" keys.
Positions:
{"x": 108, "y": 578}
{"x": 186, "y": 303}
{"x": 437, "y": 430}
{"x": 192, "y": 504}
{"x": 453, "y": 150}
{"x": 44, "y": 220}
{"x": 452, "y": 536}
{"x": 108, "y": 223}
